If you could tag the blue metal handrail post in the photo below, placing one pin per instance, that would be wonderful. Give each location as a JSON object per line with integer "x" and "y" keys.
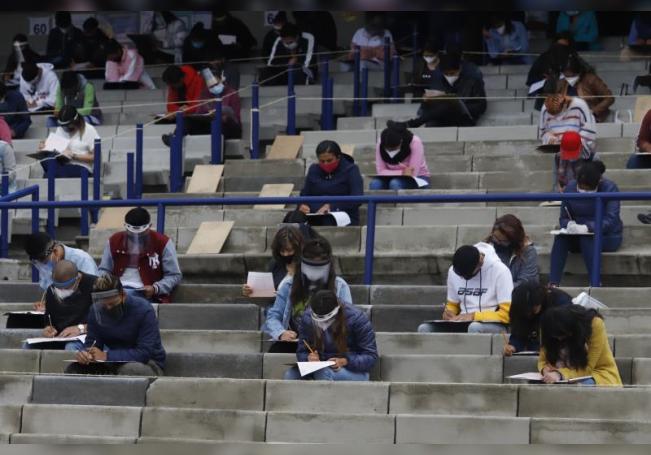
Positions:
{"x": 97, "y": 165}
{"x": 415, "y": 50}
{"x": 325, "y": 73}
{"x": 139, "y": 158}
{"x": 370, "y": 243}
{"x": 51, "y": 179}
{"x": 84, "y": 227}
{"x": 176, "y": 156}
{"x": 160, "y": 218}
{"x": 356, "y": 75}
{"x": 395, "y": 78}
{"x": 4, "y": 222}
{"x": 36, "y": 227}
{"x": 291, "y": 102}
{"x": 387, "y": 66}
{"x": 595, "y": 276}
{"x": 216, "y": 135}
{"x": 364, "y": 112}
{"x": 331, "y": 104}
{"x": 130, "y": 182}
{"x": 255, "y": 121}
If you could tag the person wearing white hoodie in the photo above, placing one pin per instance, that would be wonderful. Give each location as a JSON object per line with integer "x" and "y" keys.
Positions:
{"x": 479, "y": 290}
{"x": 39, "y": 85}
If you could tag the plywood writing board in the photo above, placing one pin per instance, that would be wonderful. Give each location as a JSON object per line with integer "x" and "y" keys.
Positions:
{"x": 112, "y": 218}
{"x": 205, "y": 178}
{"x": 285, "y": 148}
{"x": 210, "y": 237}
{"x": 275, "y": 190}
{"x": 348, "y": 149}
{"x": 642, "y": 106}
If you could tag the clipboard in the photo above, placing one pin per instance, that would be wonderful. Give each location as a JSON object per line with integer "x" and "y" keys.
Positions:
{"x": 46, "y": 154}
{"x": 319, "y": 219}
{"x": 549, "y": 148}
{"x": 25, "y": 320}
{"x": 441, "y": 326}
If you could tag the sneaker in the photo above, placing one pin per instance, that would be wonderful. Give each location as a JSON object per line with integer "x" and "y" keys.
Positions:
{"x": 645, "y": 218}
{"x": 167, "y": 139}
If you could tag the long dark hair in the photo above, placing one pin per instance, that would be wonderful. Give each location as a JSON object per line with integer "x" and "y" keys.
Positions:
{"x": 287, "y": 237}
{"x": 567, "y": 327}
{"x": 511, "y": 227}
{"x": 524, "y": 299}
{"x": 325, "y": 301}
{"x": 317, "y": 249}
{"x": 392, "y": 137}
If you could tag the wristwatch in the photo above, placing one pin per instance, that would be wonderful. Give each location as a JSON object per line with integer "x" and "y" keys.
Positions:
{"x": 81, "y": 328}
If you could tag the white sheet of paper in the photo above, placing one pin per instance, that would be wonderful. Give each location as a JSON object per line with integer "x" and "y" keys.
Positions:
{"x": 341, "y": 218}
{"x": 564, "y": 232}
{"x": 306, "y": 368}
{"x": 536, "y": 86}
{"x": 262, "y": 284}
{"x": 432, "y": 92}
{"x": 227, "y": 39}
{"x": 420, "y": 182}
{"x": 526, "y": 353}
{"x": 534, "y": 376}
{"x": 38, "y": 313}
{"x": 56, "y": 143}
{"x": 81, "y": 338}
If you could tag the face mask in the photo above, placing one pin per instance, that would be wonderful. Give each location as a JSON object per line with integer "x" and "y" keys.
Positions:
{"x": 316, "y": 273}
{"x": 581, "y": 190}
{"x": 451, "y": 79}
{"x": 325, "y": 322}
{"x": 430, "y": 59}
{"x": 217, "y": 89}
{"x": 501, "y": 29}
{"x": 287, "y": 259}
{"x": 63, "y": 294}
{"x": 291, "y": 46}
{"x": 278, "y": 28}
{"x": 197, "y": 44}
{"x": 392, "y": 153}
{"x": 572, "y": 80}
{"x": 329, "y": 168}
{"x": 497, "y": 243}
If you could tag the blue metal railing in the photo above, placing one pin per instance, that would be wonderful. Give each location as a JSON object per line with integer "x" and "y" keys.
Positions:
{"x": 371, "y": 201}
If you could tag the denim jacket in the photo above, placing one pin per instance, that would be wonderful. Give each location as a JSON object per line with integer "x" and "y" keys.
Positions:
{"x": 280, "y": 313}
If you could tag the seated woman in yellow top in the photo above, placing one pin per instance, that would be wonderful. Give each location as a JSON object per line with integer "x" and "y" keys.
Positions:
{"x": 574, "y": 345}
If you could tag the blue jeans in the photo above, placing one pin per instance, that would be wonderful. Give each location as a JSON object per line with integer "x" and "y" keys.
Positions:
{"x": 395, "y": 184}
{"x": 584, "y": 244}
{"x": 327, "y": 374}
{"x": 636, "y": 161}
{"x": 72, "y": 346}
{"x": 589, "y": 381}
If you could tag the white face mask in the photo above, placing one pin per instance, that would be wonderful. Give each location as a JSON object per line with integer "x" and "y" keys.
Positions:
{"x": 325, "y": 325}
{"x": 501, "y": 29}
{"x": 451, "y": 79}
{"x": 392, "y": 153}
{"x": 217, "y": 89}
{"x": 278, "y": 28}
{"x": 291, "y": 46}
{"x": 63, "y": 294}
{"x": 429, "y": 59}
{"x": 581, "y": 190}
{"x": 316, "y": 273}
{"x": 326, "y": 321}
{"x": 572, "y": 80}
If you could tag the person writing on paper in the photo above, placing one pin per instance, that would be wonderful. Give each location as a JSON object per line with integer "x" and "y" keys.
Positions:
{"x": 122, "y": 330}
{"x": 44, "y": 253}
{"x": 314, "y": 272}
{"x": 292, "y": 48}
{"x": 13, "y": 108}
{"x": 479, "y": 290}
{"x": 529, "y": 302}
{"x": 578, "y": 218}
{"x": 286, "y": 249}
{"x": 399, "y": 159}
{"x": 125, "y": 68}
{"x": 67, "y": 302}
{"x": 575, "y": 345}
{"x": 80, "y": 138}
{"x": 8, "y": 160}
{"x": 39, "y": 85}
{"x": 217, "y": 78}
{"x": 144, "y": 260}
{"x": 370, "y": 41}
{"x": 75, "y": 90}
{"x": 336, "y": 174}
{"x": 641, "y": 158}
{"x": 583, "y": 27}
{"x": 232, "y": 33}
{"x": 505, "y": 39}
{"x": 514, "y": 249}
{"x": 336, "y": 332}
{"x": 19, "y": 53}
{"x": 61, "y": 39}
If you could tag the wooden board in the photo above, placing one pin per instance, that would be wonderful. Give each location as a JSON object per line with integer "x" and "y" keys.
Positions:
{"x": 275, "y": 190}
{"x": 642, "y": 106}
{"x": 348, "y": 149}
{"x": 112, "y": 218}
{"x": 285, "y": 148}
{"x": 210, "y": 237}
{"x": 205, "y": 179}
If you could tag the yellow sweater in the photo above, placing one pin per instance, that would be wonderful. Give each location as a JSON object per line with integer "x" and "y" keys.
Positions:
{"x": 601, "y": 363}
{"x": 499, "y": 315}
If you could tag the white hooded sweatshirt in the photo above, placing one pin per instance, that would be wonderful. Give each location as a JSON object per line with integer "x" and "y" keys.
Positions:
{"x": 487, "y": 294}
{"x": 44, "y": 91}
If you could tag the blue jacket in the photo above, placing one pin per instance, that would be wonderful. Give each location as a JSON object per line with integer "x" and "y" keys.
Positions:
{"x": 133, "y": 338}
{"x": 517, "y": 41}
{"x": 640, "y": 28}
{"x": 346, "y": 180}
{"x": 585, "y": 28}
{"x": 15, "y": 102}
{"x": 279, "y": 315}
{"x": 583, "y": 211}
{"x": 362, "y": 350}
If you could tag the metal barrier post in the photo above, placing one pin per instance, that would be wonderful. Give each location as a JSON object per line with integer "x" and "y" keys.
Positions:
{"x": 176, "y": 156}
{"x": 36, "y": 225}
{"x": 370, "y": 244}
{"x": 364, "y": 112}
{"x": 130, "y": 170}
{"x": 325, "y": 72}
{"x": 595, "y": 276}
{"x": 139, "y": 157}
{"x": 51, "y": 173}
{"x": 395, "y": 79}
{"x": 356, "y": 75}
{"x": 255, "y": 121}
{"x": 415, "y": 50}
{"x": 291, "y": 102}
{"x": 84, "y": 228}
{"x": 160, "y": 219}
{"x": 4, "y": 222}
{"x": 387, "y": 66}
{"x": 331, "y": 104}
{"x": 216, "y": 135}
{"x": 97, "y": 166}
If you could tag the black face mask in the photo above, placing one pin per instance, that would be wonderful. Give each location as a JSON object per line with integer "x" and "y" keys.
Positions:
{"x": 287, "y": 259}
{"x": 503, "y": 249}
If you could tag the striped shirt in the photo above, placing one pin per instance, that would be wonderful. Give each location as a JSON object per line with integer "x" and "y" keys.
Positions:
{"x": 577, "y": 117}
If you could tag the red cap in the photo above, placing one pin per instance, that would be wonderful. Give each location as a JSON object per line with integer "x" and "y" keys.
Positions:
{"x": 571, "y": 146}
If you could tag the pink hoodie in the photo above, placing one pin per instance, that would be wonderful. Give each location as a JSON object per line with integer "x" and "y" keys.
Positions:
{"x": 5, "y": 131}
{"x": 130, "y": 68}
{"x": 415, "y": 160}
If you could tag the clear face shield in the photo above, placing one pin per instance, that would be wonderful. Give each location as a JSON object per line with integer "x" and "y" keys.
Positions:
{"x": 136, "y": 238}
{"x": 64, "y": 289}
{"x": 108, "y": 307}
{"x": 315, "y": 274}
